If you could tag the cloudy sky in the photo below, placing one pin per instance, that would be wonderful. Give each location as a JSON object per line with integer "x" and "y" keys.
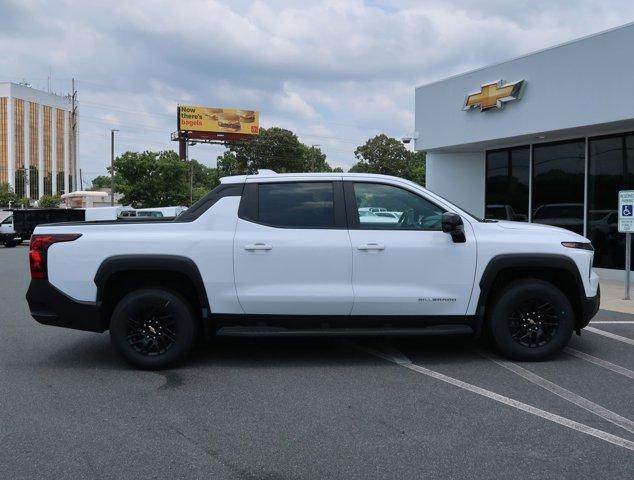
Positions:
{"x": 334, "y": 72}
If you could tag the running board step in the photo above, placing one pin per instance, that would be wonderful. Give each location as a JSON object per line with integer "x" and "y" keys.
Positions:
{"x": 343, "y": 332}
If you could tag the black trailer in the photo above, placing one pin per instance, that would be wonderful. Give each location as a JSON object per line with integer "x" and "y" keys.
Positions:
{"x": 25, "y": 221}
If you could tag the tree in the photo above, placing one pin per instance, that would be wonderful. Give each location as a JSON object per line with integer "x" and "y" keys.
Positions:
{"x": 151, "y": 179}
{"x": 100, "y": 182}
{"x": 49, "y": 201}
{"x": 314, "y": 160}
{"x": 418, "y": 168}
{"x": 204, "y": 179}
{"x": 275, "y": 149}
{"x": 8, "y": 196}
{"x": 388, "y": 156}
{"x": 158, "y": 179}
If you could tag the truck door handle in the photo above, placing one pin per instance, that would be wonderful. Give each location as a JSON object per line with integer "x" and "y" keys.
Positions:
{"x": 258, "y": 246}
{"x": 371, "y": 246}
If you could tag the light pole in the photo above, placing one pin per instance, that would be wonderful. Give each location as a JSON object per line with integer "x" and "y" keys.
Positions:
{"x": 112, "y": 166}
{"x": 191, "y": 175}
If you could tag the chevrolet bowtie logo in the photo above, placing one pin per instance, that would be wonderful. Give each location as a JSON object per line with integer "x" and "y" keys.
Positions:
{"x": 494, "y": 95}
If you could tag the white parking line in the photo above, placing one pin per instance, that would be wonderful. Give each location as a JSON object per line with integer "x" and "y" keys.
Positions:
{"x": 598, "y": 322}
{"x": 611, "y": 335}
{"x": 399, "y": 359}
{"x": 600, "y": 362}
{"x": 572, "y": 397}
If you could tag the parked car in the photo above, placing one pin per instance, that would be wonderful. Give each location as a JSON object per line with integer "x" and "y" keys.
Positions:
{"x": 267, "y": 253}
{"x": 161, "y": 211}
{"x": 564, "y": 215}
{"x": 504, "y": 212}
{"x": 128, "y": 213}
{"x": 8, "y": 237}
{"x": 368, "y": 217}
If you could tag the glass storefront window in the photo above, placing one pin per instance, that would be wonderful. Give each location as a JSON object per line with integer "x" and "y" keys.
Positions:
{"x": 558, "y": 188}
{"x": 610, "y": 169}
{"x": 558, "y": 184}
{"x": 507, "y": 175}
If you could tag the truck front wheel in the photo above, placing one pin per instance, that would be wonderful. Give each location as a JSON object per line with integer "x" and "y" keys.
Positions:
{"x": 153, "y": 328}
{"x": 530, "y": 319}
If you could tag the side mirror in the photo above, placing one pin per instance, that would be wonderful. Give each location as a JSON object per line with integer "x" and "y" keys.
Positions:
{"x": 452, "y": 224}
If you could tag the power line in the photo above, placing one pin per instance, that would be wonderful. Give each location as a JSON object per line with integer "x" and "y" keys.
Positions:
{"x": 165, "y": 115}
{"x": 159, "y": 129}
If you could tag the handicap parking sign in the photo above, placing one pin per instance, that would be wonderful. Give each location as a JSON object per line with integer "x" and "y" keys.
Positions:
{"x": 626, "y": 211}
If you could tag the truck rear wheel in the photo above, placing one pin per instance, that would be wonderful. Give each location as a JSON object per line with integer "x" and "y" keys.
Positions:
{"x": 10, "y": 243}
{"x": 153, "y": 328}
{"x": 530, "y": 319}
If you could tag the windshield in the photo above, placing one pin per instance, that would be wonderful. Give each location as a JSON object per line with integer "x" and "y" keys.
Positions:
{"x": 475, "y": 217}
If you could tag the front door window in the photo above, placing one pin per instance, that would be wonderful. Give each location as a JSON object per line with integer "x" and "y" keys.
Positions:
{"x": 387, "y": 207}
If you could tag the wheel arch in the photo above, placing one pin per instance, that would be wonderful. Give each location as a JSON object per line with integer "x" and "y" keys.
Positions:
{"x": 559, "y": 270}
{"x": 120, "y": 274}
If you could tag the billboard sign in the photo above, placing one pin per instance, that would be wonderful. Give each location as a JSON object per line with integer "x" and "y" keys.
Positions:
{"x": 218, "y": 120}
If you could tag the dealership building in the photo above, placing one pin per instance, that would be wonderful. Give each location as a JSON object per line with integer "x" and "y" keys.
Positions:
{"x": 547, "y": 138}
{"x": 38, "y": 146}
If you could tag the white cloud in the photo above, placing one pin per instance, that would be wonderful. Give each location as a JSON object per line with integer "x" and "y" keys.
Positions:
{"x": 335, "y": 72}
{"x": 292, "y": 103}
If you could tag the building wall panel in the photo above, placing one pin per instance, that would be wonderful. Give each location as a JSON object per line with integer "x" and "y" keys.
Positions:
{"x": 4, "y": 143}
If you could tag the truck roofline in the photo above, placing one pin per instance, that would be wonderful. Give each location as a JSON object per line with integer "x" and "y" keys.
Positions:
{"x": 326, "y": 175}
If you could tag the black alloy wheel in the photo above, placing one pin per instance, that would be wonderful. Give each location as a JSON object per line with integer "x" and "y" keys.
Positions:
{"x": 153, "y": 328}
{"x": 530, "y": 319}
{"x": 534, "y": 323}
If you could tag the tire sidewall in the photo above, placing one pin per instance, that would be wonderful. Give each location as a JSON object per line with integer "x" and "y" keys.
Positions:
{"x": 509, "y": 299}
{"x": 185, "y": 326}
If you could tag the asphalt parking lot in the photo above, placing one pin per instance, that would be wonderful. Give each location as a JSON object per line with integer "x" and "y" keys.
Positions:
{"x": 249, "y": 408}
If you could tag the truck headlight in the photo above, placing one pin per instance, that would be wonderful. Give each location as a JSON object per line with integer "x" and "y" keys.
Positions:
{"x": 581, "y": 245}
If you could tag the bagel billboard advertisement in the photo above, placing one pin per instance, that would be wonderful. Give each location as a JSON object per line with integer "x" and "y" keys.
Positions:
{"x": 218, "y": 120}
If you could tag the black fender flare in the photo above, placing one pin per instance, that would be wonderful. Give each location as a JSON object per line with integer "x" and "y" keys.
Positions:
{"x": 165, "y": 263}
{"x": 532, "y": 260}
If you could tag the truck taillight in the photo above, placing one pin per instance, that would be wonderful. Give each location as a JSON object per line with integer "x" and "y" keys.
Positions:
{"x": 38, "y": 248}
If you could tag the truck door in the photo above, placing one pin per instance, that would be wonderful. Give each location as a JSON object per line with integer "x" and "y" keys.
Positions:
{"x": 292, "y": 252}
{"x": 405, "y": 265}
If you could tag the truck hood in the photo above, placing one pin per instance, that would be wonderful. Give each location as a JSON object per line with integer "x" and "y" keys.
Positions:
{"x": 537, "y": 227}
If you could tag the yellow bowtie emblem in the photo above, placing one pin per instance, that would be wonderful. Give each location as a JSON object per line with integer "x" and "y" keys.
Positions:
{"x": 494, "y": 95}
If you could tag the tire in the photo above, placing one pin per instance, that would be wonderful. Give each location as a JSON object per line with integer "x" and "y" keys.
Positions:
{"x": 153, "y": 328}
{"x": 530, "y": 320}
{"x": 10, "y": 243}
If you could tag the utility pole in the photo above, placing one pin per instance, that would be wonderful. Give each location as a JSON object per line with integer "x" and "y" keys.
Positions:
{"x": 191, "y": 174}
{"x": 112, "y": 166}
{"x": 73, "y": 145}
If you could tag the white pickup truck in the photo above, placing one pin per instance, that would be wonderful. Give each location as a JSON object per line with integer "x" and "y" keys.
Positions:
{"x": 290, "y": 254}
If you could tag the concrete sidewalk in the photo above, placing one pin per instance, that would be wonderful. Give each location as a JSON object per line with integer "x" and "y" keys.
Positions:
{"x": 612, "y": 294}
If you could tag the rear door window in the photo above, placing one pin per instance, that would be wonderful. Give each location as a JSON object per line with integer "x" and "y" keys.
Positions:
{"x": 296, "y": 204}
